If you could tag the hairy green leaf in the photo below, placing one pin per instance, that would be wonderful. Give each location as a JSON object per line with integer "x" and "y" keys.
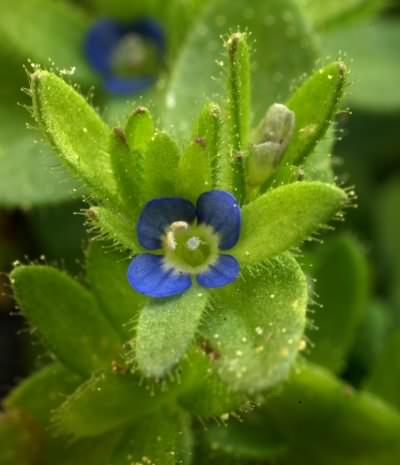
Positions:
{"x": 165, "y": 330}
{"x": 114, "y": 226}
{"x": 73, "y": 127}
{"x": 209, "y": 129}
{"x": 314, "y": 103}
{"x": 67, "y": 317}
{"x": 139, "y": 129}
{"x": 284, "y": 217}
{"x": 194, "y": 171}
{"x": 107, "y": 401}
{"x": 257, "y": 325}
{"x": 163, "y": 437}
{"x": 107, "y": 274}
{"x": 160, "y": 167}
{"x": 203, "y": 393}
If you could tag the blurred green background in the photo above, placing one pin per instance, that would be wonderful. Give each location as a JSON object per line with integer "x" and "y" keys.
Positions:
{"x": 39, "y": 202}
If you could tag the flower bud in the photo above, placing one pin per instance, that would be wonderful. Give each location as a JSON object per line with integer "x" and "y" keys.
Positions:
{"x": 272, "y": 139}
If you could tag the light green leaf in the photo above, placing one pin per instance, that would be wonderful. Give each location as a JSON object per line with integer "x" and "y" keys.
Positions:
{"x": 139, "y": 129}
{"x": 257, "y": 325}
{"x": 279, "y": 62}
{"x": 239, "y": 88}
{"x": 194, "y": 171}
{"x": 314, "y": 407}
{"x": 372, "y": 48}
{"x": 385, "y": 375}
{"x": 43, "y": 391}
{"x": 67, "y": 317}
{"x": 284, "y": 217}
{"x": 114, "y": 226}
{"x": 318, "y": 164}
{"x": 107, "y": 274}
{"x": 314, "y": 103}
{"x": 73, "y": 127}
{"x": 164, "y": 438}
{"x": 165, "y": 330}
{"x": 341, "y": 272}
{"x": 105, "y": 402}
{"x": 160, "y": 166}
{"x": 126, "y": 169}
{"x": 209, "y": 128}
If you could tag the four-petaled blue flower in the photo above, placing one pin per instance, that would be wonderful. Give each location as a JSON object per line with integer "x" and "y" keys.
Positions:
{"x": 127, "y": 56}
{"x": 189, "y": 240}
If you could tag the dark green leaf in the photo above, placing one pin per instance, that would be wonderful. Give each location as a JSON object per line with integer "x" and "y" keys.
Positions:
{"x": 67, "y": 317}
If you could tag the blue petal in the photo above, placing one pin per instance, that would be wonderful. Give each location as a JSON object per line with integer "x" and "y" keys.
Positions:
{"x": 100, "y": 42}
{"x": 147, "y": 275}
{"x": 221, "y": 210}
{"x": 222, "y": 273}
{"x": 157, "y": 215}
{"x": 120, "y": 86}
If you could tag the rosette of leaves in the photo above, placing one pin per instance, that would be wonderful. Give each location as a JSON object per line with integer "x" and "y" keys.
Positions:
{"x": 131, "y": 370}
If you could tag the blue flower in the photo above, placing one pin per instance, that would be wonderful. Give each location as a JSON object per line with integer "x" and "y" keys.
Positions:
{"x": 127, "y": 56}
{"x": 188, "y": 240}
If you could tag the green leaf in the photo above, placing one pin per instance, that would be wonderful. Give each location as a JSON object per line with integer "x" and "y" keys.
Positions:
{"x": 42, "y": 392}
{"x": 238, "y": 110}
{"x": 163, "y": 438}
{"x": 372, "y": 47}
{"x": 284, "y": 217}
{"x": 318, "y": 164}
{"x": 73, "y": 127}
{"x": 279, "y": 62}
{"x": 63, "y": 22}
{"x": 203, "y": 393}
{"x": 239, "y": 88}
{"x": 385, "y": 375}
{"x": 106, "y": 272}
{"x": 126, "y": 170}
{"x": 341, "y": 272}
{"x": 334, "y": 13}
{"x": 105, "y": 402}
{"x": 139, "y": 129}
{"x": 114, "y": 226}
{"x": 67, "y": 317}
{"x": 165, "y": 330}
{"x": 160, "y": 167}
{"x": 257, "y": 325}
{"x": 194, "y": 171}
{"x": 19, "y": 444}
{"x": 209, "y": 128}
{"x": 314, "y": 103}
{"x": 325, "y": 421}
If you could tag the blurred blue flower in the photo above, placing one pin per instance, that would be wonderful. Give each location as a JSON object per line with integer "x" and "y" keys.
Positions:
{"x": 189, "y": 240}
{"x": 128, "y": 56}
